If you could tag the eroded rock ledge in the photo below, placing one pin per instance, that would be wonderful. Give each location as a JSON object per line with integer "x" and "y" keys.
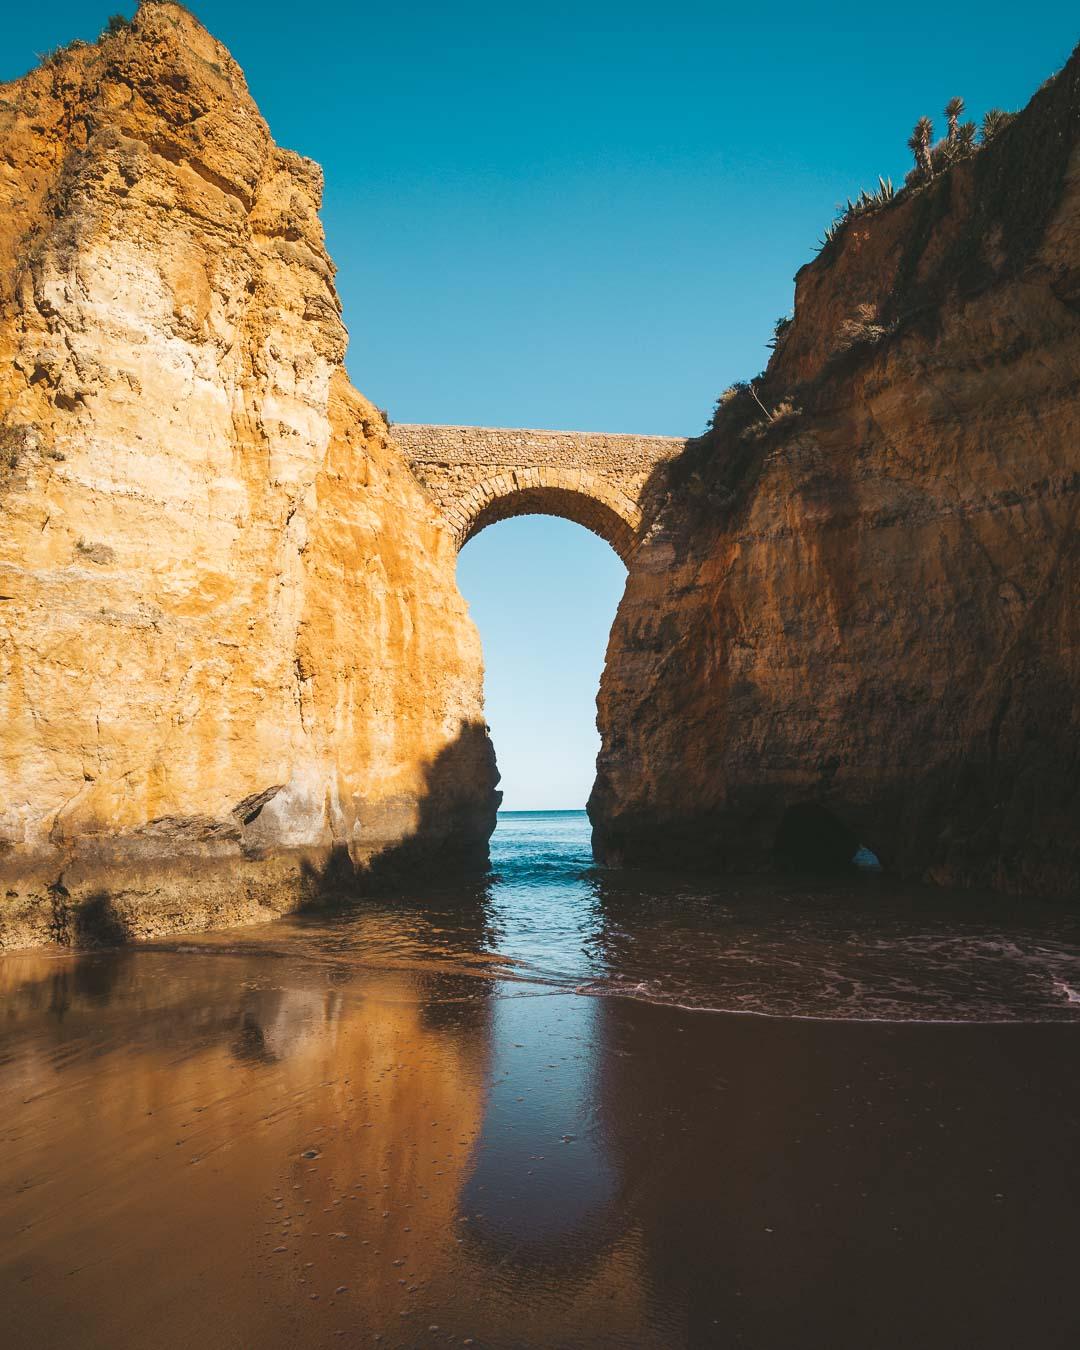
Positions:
{"x": 868, "y": 605}
{"x": 235, "y": 667}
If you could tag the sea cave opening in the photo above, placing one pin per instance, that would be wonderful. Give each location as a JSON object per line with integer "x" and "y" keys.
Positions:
{"x": 812, "y": 838}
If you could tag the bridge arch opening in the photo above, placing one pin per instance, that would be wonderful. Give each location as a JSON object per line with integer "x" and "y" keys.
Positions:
{"x": 542, "y": 591}
{"x": 606, "y": 482}
{"x": 603, "y": 513}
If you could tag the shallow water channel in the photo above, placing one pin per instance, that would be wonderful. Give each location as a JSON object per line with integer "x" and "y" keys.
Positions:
{"x": 564, "y": 1106}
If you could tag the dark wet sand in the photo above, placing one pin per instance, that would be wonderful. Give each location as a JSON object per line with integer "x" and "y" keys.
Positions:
{"x": 230, "y": 1148}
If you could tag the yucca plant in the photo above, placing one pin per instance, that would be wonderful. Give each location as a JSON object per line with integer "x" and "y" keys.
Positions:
{"x": 919, "y": 144}
{"x": 995, "y": 120}
{"x": 954, "y": 110}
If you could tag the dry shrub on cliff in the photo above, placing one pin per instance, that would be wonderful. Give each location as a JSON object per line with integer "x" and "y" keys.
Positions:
{"x": 740, "y": 409}
{"x": 14, "y": 443}
{"x": 730, "y": 394}
{"x": 730, "y": 401}
{"x": 97, "y": 553}
{"x": 173, "y": 4}
{"x": 54, "y": 57}
{"x": 861, "y": 327}
{"x": 117, "y": 24}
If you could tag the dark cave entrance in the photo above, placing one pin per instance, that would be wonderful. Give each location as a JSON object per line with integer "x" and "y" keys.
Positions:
{"x": 811, "y": 838}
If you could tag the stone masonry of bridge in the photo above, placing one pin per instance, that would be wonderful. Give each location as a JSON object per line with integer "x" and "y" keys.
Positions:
{"x": 478, "y": 475}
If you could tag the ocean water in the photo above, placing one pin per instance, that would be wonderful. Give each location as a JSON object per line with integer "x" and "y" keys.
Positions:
{"x": 558, "y": 1105}
{"x": 860, "y": 948}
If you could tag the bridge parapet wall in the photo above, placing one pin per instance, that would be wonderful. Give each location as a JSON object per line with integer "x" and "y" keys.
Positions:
{"x": 478, "y": 475}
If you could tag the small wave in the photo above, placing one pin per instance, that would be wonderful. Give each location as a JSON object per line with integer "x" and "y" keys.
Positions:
{"x": 775, "y": 1006}
{"x": 642, "y": 993}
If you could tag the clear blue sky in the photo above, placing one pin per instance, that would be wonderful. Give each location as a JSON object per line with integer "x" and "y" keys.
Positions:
{"x": 584, "y": 216}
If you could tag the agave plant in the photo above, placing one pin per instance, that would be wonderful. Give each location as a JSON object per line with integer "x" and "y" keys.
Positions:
{"x": 780, "y": 328}
{"x": 919, "y": 144}
{"x": 867, "y": 201}
{"x": 954, "y": 110}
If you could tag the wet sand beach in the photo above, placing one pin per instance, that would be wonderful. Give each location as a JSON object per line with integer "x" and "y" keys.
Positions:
{"x": 509, "y": 1115}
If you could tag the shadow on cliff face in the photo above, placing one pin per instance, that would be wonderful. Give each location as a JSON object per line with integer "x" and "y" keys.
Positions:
{"x": 454, "y": 819}
{"x": 93, "y": 922}
{"x": 444, "y": 833}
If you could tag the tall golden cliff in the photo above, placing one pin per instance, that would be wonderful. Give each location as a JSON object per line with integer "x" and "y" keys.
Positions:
{"x": 867, "y": 605}
{"x": 232, "y": 649}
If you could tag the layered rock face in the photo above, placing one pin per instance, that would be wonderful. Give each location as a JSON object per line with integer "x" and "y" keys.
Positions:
{"x": 866, "y": 608}
{"x": 232, "y": 649}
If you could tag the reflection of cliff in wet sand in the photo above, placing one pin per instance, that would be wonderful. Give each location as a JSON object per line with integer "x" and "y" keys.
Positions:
{"x": 306, "y": 1149}
{"x": 199, "y": 1094}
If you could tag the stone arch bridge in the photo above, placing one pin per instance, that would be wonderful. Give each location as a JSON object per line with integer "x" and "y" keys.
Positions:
{"x": 478, "y": 475}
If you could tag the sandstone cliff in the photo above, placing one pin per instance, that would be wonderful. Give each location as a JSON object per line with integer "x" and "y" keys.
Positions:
{"x": 232, "y": 649}
{"x": 866, "y": 608}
